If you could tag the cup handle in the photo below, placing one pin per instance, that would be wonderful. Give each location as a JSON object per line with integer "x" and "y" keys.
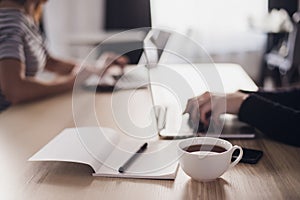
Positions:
{"x": 237, "y": 160}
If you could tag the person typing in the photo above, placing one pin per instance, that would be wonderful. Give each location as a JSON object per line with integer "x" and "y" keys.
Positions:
{"x": 23, "y": 55}
{"x": 277, "y": 113}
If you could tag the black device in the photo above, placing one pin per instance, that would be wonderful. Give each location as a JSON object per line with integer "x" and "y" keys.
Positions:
{"x": 127, "y": 14}
{"x": 121, "y": 15}
{"x": 250, "y": 156}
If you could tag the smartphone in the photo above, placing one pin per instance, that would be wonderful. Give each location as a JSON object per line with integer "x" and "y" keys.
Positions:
{"x": 250, "y": 156}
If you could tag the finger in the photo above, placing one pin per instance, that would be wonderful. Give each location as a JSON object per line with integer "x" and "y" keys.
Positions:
{"x": 216, "y": 118}
{"x": 113, "y": 59}
{"x": 123, "y": 60}
{"x": 197, "y": 101}
{"x": 121, "y": 63}
{"x": 205, "y": 96}
{"x": 204, "y": 110}
{"x": 195, "y": 116}
{"x": 187, "y": 109}
{"x": 108, "y": 56}
{"x": 189, "y": 106}
{"x": 218, "y": 110}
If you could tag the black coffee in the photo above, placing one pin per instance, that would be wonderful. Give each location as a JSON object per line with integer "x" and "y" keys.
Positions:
{"x": 204, "y": 147}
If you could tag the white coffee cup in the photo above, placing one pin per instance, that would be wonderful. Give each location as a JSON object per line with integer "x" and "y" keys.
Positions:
{"x": 207, "y": 164}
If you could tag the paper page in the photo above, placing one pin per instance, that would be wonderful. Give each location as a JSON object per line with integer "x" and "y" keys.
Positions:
{"x": 88, "y": 145}
{"x": 159, "y": 161}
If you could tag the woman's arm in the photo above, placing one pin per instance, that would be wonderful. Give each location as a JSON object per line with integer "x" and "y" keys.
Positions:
{"x": 59, "y": 66}
{"x": 16, "y": 87}
{"x": 106, "y": 61}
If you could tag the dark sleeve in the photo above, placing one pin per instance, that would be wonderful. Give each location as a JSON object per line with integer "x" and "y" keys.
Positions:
{"x": 287, "y": 97}
{"x": 276, "y": 120}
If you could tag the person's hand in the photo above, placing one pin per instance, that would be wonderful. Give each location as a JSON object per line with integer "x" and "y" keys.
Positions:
{"x": 209, "y": 105}
{"x": 103, "y": 64}
{"x": 108, "y": 60}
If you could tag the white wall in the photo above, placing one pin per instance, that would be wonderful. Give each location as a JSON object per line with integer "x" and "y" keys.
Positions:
{"x": 70, "y": 17}
{"x": 216, "y": 23}
{"x": 66, "y": 17}
{"x": 221, "y": 26}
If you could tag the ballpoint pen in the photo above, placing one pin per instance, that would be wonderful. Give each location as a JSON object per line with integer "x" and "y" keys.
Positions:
{"x": 123, "y": 168}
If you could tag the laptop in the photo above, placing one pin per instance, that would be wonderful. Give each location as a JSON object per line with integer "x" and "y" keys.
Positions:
{"x": 136, "y": 77}
{"x": 168, "y": 91}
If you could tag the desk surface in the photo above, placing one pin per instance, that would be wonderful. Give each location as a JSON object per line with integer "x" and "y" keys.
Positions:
{"x": 24, "y": 129}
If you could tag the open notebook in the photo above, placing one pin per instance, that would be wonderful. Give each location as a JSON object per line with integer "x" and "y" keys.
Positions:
{"x": 105, "y": 152}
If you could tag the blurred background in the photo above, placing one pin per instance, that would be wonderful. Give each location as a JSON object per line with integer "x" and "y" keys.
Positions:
{"x": 260, "y": 35}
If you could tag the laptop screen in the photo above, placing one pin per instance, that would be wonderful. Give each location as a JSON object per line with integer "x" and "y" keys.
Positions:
{"x": 167, "y": 109}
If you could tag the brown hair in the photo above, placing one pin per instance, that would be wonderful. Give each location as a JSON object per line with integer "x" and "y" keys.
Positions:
{"x": 38, "y": 12}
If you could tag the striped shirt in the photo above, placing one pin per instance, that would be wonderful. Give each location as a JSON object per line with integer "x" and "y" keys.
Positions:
{"x": 21, "y": 39}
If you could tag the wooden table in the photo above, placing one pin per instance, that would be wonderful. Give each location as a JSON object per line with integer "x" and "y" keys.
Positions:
{"x": 24, "y": 129}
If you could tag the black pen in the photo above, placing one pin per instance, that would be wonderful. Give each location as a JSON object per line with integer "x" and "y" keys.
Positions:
{"x": 132, "y": 158}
